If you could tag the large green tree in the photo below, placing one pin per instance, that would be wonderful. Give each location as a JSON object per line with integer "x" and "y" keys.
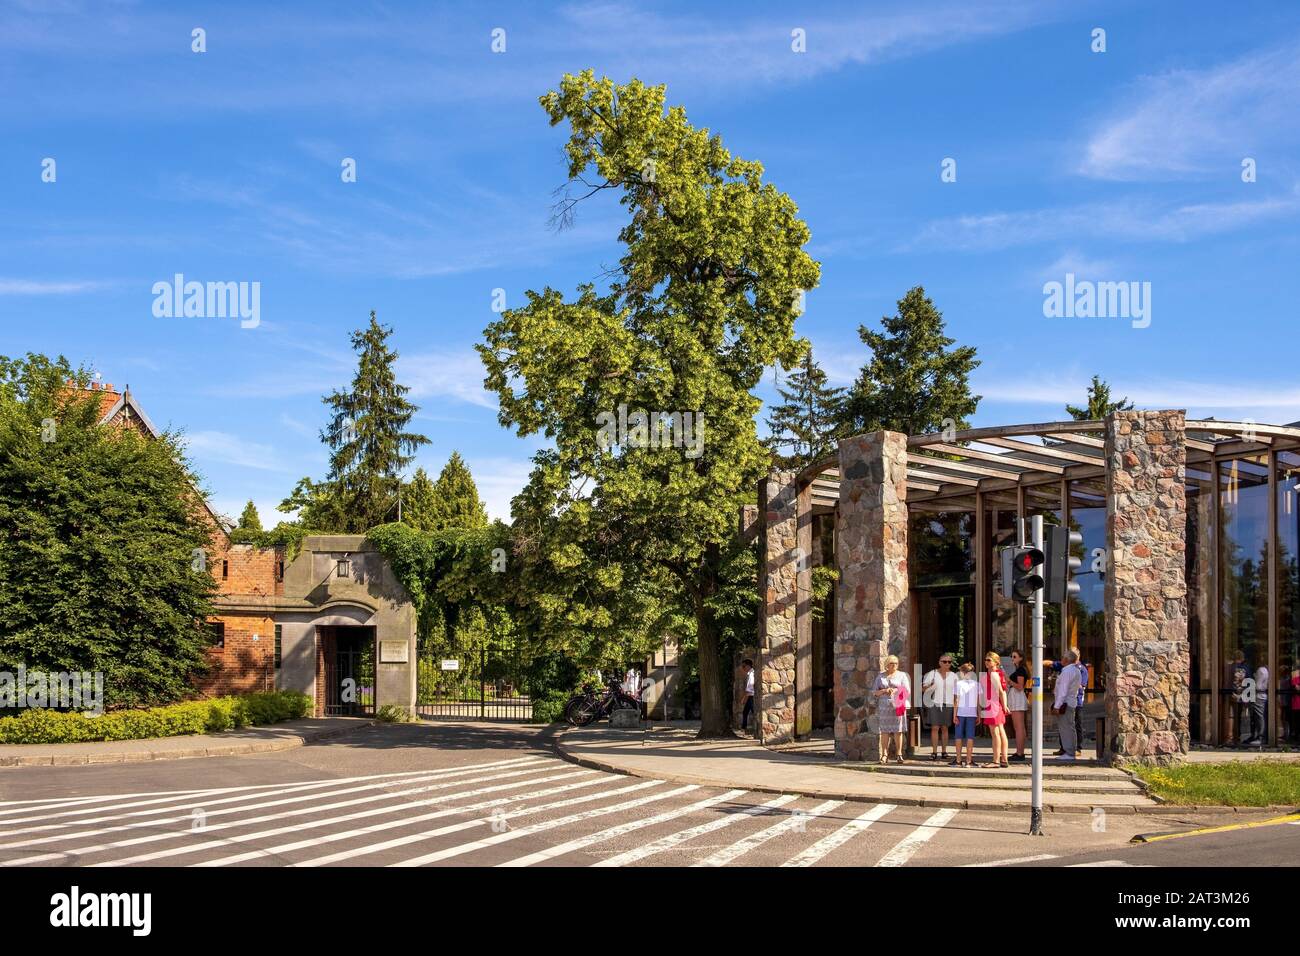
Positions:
{"x": 624, "y": 533}
{"x": 102, "y": 566}
{"x": 418, "y": 502}
{"x": 915, "y": 382}
{"x": 1099, "y": 403}
{"x": 807, "y": 421}
{"x": 369, "y": 441}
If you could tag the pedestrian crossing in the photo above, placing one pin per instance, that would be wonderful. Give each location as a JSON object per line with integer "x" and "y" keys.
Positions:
{"x": 521, "y": 811}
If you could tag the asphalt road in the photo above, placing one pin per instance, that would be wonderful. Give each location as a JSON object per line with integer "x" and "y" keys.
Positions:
{"x": 496, "y": 795}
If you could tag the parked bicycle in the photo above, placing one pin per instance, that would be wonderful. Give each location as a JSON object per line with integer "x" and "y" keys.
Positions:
{"x": 586, "y": 707}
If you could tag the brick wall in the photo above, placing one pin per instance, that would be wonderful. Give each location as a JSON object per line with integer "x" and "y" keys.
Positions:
{"x": 243, "y": 665}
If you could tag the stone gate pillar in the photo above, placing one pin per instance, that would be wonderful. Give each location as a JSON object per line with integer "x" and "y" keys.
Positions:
{"x": 871, "y": 596}
{"x": 1148, "y": 661}
{"x": 774, "y": 690}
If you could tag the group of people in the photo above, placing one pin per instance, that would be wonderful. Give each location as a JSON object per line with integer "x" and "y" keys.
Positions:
{"x": 957, "y": 701}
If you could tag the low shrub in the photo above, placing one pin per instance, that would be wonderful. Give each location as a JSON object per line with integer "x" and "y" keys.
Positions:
{"x": 392, "y": 714}
{"x": 550, "y": 708}
{"x": 38, "y": 726}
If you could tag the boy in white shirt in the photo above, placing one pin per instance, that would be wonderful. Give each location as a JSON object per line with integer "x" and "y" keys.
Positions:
{"x": 965, "y": 702}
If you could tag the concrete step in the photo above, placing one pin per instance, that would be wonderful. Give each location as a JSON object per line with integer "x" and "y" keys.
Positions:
{"x": 1080, "y": 771}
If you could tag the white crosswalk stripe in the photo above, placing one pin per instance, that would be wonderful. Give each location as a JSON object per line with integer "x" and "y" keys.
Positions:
{"x": 1104, "y": 863}
{"x": 1017, "y": 859}
{"x": 623, "y": 828}
{"x": 742, "y": 846}
{"x": 539, "y": 827}
{"x": 677, "y": 839}
{"x": 526, "y": 810}
{"x": 907, "y": 847}
{"x": 467, "y": 824}
{"x": 840, "y": 837}
{"x": 205, "y": 807}
{"x": 332, "y": 821}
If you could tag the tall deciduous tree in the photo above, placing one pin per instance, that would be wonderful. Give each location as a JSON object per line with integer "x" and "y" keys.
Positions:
{"x": 102, "y": 566}
{"x": 621, "y": 540}
{"x": 808, "y": 420}
{"x": 915, "y": 381}
{"x": 1099, "y": 403}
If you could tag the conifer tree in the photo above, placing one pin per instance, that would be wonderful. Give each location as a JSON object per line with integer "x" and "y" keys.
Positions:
{"x": 807, "y": 422}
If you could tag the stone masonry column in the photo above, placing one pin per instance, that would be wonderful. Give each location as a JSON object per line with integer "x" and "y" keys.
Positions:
{"x": 1148, "y": 661}
{"x": 871, "y": 595}
{"x": 774, "y": 690}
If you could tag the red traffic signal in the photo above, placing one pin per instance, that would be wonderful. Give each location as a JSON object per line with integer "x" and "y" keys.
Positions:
{"x": 1019, "y": 580}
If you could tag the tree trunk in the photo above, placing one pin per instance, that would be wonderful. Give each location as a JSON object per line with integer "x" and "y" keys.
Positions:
{"x": 715, "y": 721}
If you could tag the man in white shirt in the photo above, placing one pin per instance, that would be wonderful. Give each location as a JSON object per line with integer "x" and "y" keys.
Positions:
{"x": 748, "y": 667}
{"x": 1067, "y": 699}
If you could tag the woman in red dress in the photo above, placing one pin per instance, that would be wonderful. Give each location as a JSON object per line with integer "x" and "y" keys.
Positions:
{"x": 993, "y": 707}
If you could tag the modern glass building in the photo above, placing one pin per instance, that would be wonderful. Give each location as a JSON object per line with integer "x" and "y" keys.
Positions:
{"x": 1238, "y": 523}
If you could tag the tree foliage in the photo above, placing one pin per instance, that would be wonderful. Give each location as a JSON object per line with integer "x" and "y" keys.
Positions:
{"x": 915, "y": 381}
{"x": 1099, "y": 403}
{"x": 809, "y": 419}
{"x": 100, "y": 526}
{"x": 618, "y": 543}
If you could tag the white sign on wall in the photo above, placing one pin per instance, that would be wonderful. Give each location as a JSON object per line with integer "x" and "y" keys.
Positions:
{"x": 393, "y": 652}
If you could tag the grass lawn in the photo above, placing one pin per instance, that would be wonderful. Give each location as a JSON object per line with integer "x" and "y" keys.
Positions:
{"x": 1245, "y": 783}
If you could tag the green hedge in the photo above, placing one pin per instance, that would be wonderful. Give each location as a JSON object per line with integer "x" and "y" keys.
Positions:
{"x": 549, "y": 709}
{"x": 192, "y": 717}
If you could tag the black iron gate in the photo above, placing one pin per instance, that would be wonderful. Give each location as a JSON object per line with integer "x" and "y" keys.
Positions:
{"x": 469, "y": 683}
{"x": 349, "y": 671}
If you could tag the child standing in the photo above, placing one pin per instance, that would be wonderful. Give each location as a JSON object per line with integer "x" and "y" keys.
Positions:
{"x": 965, "y": 704}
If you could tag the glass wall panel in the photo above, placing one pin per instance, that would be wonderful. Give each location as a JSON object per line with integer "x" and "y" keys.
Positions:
{"x": 1002, "y": 611}
{"x": 1288, "y": 604}
{"x": 942, "y": 579}
{"x": 1087, "y": 618}
{"x": 1044, "y": 500}
{"x": 1200, "y": 569}
{"x": 1243, "y": 614}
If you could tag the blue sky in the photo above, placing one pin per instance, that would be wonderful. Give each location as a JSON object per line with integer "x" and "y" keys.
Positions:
{"x": 225, "y": 166}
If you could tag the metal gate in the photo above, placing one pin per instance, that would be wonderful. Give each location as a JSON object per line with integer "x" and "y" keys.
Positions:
{"x": 349, "y": 672}
{"x": 469, "y": 683}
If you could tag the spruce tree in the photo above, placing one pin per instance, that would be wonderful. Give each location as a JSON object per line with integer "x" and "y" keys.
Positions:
{"x": 418, "y": 502}
{"x": 456, "y": 503}
{"x": 915, "y": 381}
{"x": 249, "y": 519}
{"x": 367, "y": 434}
{"x": 808, "y": 420}
{"x": 1099, "y": 403}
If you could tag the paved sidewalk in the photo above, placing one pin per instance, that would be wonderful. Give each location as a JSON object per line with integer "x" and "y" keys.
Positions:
{"x": 250, "y": 740}
{"x": 676, "y": 756}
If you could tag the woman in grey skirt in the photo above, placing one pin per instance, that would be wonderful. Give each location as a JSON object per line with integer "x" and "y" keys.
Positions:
{"x": 893, "y": 693}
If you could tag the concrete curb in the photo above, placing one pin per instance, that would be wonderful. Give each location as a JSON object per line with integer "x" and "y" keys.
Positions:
{"x": 285, "y": 742}
{"x": 557, "y": 742}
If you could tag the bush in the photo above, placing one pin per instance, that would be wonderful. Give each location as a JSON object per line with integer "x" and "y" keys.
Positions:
{"x": 40, "y": 726}
{"x": 392, "y": 714}
{"x": 549, "y": 709}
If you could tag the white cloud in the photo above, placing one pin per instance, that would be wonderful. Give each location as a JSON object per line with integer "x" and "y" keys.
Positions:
{"x": 1135, "y": 220}
{"x": 498, "y": 480}
{"x": 231, "y": 450}
{"x": 37, "y": 287}
{"x": 1192, "y": 123}
{"x": 457, "y": 376}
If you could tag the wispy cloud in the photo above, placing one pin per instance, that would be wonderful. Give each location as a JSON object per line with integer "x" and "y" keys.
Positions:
{"x": 1136, "y": 220}
{"x": 1193, "y": 123}
{"x": 40, "y": 287}
{"x": 223, "y": 447}
{"x": 457, "y": 376}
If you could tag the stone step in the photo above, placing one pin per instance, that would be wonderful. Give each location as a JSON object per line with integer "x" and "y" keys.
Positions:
{"x": 1078, "y": 772}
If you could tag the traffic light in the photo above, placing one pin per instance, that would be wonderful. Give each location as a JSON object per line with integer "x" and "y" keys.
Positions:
{"x": 1020, "y": 579}
{"x": 1061, "y": 564}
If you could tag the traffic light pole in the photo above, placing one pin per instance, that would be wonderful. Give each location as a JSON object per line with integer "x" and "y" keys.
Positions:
{"x": 1036, "y": 811}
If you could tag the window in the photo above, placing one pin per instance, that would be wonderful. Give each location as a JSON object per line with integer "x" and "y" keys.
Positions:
{"x": 217, "y": 634}
{"x": 225, "y": 569}
{"x": 277, "y": 647}
{"x": 279, "y": 569}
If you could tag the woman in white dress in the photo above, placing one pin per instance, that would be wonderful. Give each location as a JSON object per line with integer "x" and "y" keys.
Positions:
{"x": 893, "y": 693}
